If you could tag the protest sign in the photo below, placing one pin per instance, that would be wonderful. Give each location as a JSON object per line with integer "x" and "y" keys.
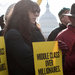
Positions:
{"x": 47, "y": 58}
{"x": 3, "y": 61}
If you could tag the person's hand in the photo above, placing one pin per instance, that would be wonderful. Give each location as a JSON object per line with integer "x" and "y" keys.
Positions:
{"x": 63, "y": 46}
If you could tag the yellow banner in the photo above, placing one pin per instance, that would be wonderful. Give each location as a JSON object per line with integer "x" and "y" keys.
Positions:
{"x": 47, "y": 58}
{"x": 3, "y": 62}
{"x": 39, "y": 1}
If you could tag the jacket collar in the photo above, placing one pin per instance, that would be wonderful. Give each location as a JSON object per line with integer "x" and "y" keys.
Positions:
{"x": 72, "y": 28}
{"x": 62, "y": 25}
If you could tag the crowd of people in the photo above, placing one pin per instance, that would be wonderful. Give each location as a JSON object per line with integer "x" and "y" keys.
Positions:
{"x": 20, "y": 29}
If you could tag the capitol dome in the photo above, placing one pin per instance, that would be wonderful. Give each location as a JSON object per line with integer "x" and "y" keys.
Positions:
{"x": 48, "y": 22}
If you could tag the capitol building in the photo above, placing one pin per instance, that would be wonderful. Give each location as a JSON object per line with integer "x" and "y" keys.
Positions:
{"x": 48, "y": 22}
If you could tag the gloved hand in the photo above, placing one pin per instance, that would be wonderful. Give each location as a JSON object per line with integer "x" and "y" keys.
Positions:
{"x": 63, "y": 46}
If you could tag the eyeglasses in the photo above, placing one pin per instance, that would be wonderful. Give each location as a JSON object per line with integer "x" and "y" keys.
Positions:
{"x": 66, "y": 12}
{"x": 36, "y": 10}
{"x": 62, "y": 16}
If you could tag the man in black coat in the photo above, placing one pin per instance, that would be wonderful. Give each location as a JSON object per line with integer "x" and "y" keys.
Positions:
{"x": 64, "y": 21}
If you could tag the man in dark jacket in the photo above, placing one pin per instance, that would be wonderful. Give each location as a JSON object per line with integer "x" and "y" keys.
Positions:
{"x": 64, "y": 21}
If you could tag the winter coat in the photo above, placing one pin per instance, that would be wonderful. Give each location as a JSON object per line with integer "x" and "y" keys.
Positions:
{"x": 55, "y": 32}
{"x": 19, "y": 54}
{"x": 68, "y": 36}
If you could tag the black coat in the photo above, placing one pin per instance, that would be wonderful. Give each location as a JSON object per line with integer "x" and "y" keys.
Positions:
{"x": 55, "y": 32}
{"x": 19, "y": 54}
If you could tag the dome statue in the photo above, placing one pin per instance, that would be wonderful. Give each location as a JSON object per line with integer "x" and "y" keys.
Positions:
{"x": 48, "y": 22}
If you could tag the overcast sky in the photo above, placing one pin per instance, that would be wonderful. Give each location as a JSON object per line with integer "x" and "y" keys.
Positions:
{"x": 55, "y": 5}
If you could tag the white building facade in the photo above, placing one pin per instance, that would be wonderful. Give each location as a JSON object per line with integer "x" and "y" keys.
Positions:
{"x": 48, "y": 22}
